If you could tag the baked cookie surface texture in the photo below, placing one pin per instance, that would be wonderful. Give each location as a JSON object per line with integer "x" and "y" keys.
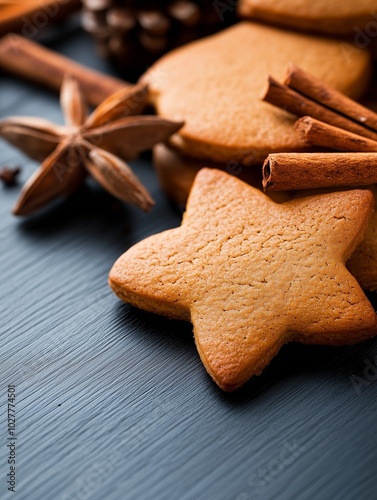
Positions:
{"x": 215, "y": 86}
{"x": 363, "y": 262}
{"x": 341, "y": 17}
{"x": 252, "y": 275}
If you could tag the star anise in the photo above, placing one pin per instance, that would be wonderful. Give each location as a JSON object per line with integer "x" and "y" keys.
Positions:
{"x": 96, "y": 144}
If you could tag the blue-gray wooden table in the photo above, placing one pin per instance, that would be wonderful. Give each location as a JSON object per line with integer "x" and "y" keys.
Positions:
{"x": 113, "y": 403}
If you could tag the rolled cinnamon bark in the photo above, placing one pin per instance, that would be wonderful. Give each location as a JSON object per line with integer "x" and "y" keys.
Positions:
{"x": 310, "y": 86}
{"x": 294, "y": 102}
{"x": 317, "y": 133}
{"x": 18, "y": 15}
{"x": 291, "y": 171}
{"x": 32, "y": 61}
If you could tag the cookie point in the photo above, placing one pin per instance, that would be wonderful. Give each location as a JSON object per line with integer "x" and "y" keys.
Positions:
{"x": 114, "y": 273}
{"x": 18, "y": 209}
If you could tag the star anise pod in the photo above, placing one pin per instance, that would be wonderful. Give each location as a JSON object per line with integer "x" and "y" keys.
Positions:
{"x": 96, "y": 144}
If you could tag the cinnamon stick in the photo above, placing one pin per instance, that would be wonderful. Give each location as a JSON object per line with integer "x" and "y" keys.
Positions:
{"x": 286, "y": 171}
{"x": 310, "y": 86}
{"x": 24, "y": 16}
{"x": 38, "y": 64}
{"x": 317, "y": 133}
{"x": 296, "y": 103}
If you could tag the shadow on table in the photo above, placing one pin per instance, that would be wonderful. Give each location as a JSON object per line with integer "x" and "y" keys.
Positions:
{"x": 294, "y": 361}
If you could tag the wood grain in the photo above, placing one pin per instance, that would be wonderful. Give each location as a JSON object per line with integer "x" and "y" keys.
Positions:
{"x": 115, "y": 404}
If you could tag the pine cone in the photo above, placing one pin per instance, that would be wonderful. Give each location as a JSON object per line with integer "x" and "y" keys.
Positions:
{"x": 134, "y": 33}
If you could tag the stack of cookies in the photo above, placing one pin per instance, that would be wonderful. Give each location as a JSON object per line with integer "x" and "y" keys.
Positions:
{"x": 227, "y": 126}
{"x": 215, "y": 86}
{"x": 251, "y": 272}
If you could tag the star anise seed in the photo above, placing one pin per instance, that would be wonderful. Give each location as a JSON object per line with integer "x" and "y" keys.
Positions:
{"x": 9, "y": 175}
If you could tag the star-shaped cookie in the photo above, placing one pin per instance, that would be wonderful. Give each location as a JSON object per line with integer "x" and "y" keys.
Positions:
{"x": 363, "y": 263}
{"x": 251, "y": 274}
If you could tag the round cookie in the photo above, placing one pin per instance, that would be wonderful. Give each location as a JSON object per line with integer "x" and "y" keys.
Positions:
{"x": 339, "y": 17}
{"x": 215, "y": 85}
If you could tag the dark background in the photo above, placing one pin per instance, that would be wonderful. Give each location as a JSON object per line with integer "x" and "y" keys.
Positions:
{"x": 113, "y": 403}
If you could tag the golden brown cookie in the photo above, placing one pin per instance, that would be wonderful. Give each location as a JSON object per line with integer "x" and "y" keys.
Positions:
{"x": 215, "y": 86}
{"x": 252, "y": 275}
{"x": 363, "y": 262}
{"x": 338, "y": 17}
{"x": 176, "y": 173}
